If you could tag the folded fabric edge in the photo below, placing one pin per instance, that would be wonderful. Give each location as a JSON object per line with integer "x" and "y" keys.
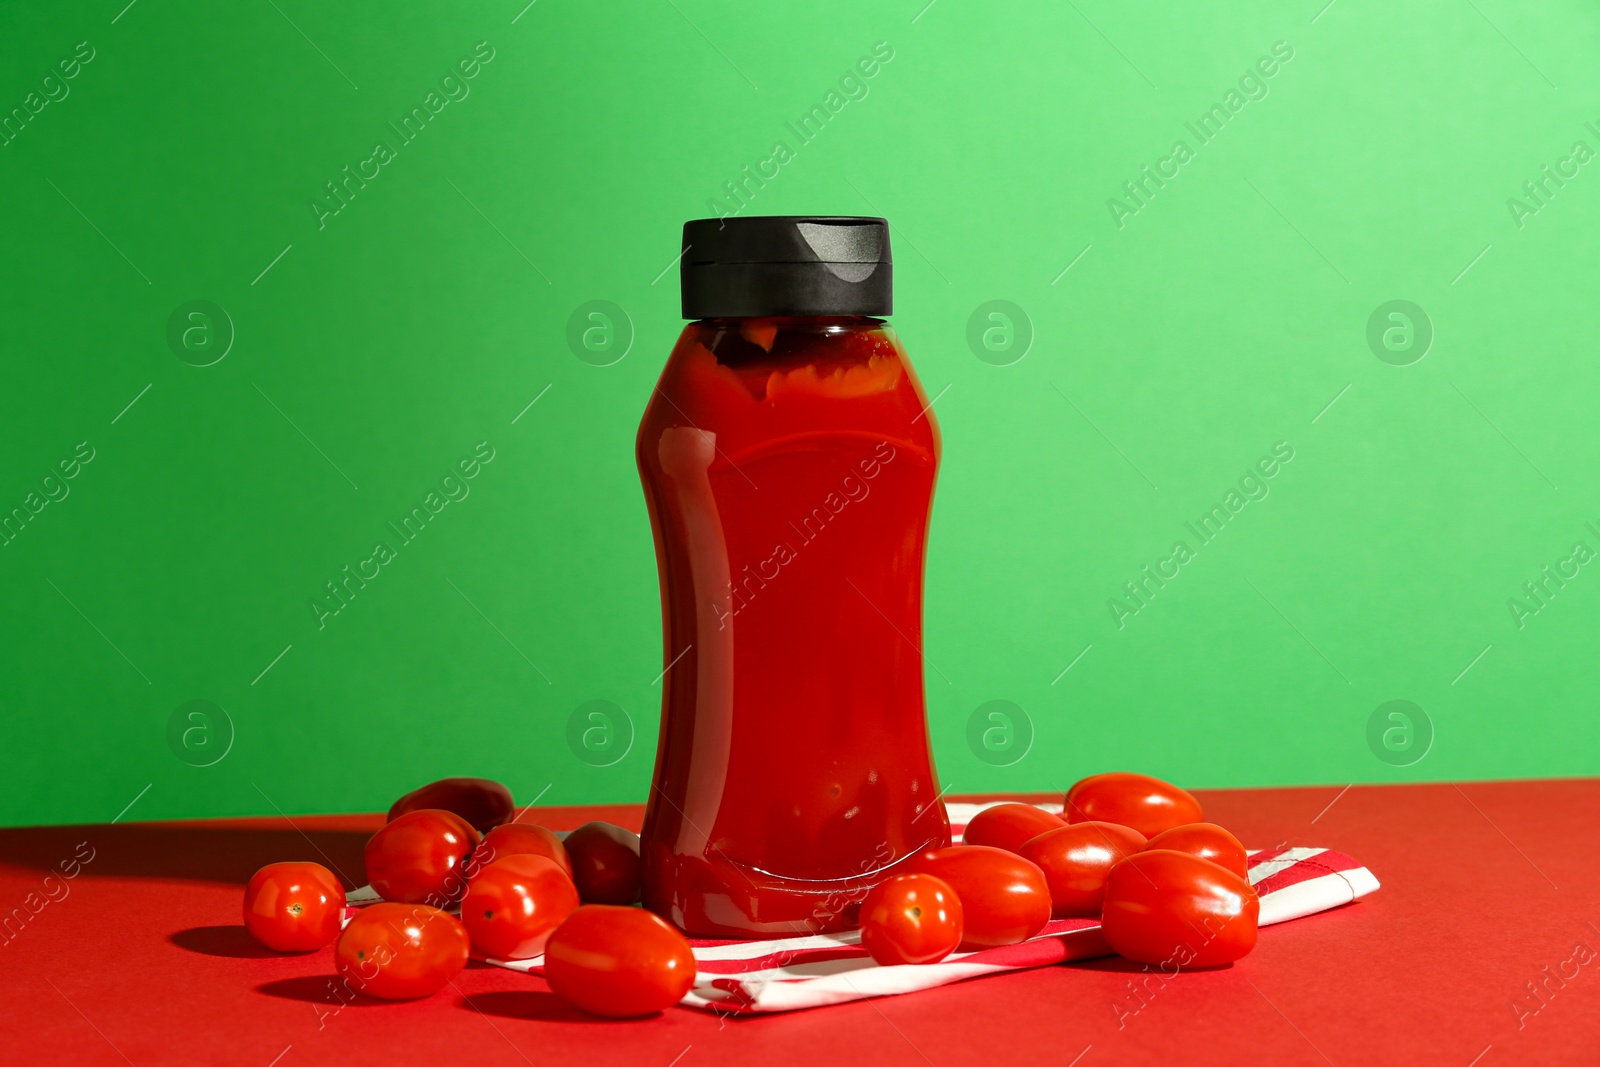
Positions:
{"x": 729, "y": 994}
{"x": 740, "y": 996}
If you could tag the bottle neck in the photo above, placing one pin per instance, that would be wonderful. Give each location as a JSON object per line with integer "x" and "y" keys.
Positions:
{"x": 782, "y": 321}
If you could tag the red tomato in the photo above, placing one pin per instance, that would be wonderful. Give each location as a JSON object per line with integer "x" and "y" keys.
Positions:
{"x": 482, "y": 803}
{"x": 293, "y": 907}
{"x": 1170, "y": 908}
{"x": 519, "y": 839}
{"x": 1004, "y": 898}
{"x": 618, "y": 961}
{"x": 419, "y": 858}
{"x": 1208, "y": 841}
{"x": 401, "y": 951}
{"x": 605, "y": 863}
{"x": 1076, "y": 859}
{"x": 514, "y": 904}
{"x": 1147, "y": 804}
{"x": 1009, "y": 826}
{"x": 911, "y": 918}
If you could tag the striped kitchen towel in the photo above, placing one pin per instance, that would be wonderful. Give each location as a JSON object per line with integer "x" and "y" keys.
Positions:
{"x": 749, "y": 977}
{"x": 806, "y": 972}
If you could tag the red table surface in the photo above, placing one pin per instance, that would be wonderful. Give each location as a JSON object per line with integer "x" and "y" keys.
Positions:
{"x": 1486, "y": 887}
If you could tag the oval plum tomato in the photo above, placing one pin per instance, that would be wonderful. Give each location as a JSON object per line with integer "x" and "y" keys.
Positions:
{"x": 1208, "y": 841}
{"x": 605, "y": 863}
{"x": 514, "y": 904}
{"x": 419, "y": 858}
{"x": 293, "y": 907}
{"x": 1076, "y": 859}
{"x": 1147, "y": 804}
{"x": 618, "y": 962}
{"x": 400, "y": 951}
{"x": 1009, "y": 826}
{"x": 482, "y": 803}
{"x": 1170, "y": 908}
{"x": 519, "y": 839}
{"x": 911, "y": 918}
{"x": 1004, "y": 898}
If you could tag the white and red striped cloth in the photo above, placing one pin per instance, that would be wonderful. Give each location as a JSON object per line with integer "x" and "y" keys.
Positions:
{"x": 741, "y": 977}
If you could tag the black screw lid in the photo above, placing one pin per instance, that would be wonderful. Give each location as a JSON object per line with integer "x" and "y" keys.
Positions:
{"x": 803, "y": 265}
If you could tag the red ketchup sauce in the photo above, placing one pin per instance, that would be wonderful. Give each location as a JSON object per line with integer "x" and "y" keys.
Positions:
{"x": 788, "y": 464}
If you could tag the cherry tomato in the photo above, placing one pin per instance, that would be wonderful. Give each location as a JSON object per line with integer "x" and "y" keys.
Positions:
{"x": 293, "y": 907}
{"x": 1004, "y": 898}
{"x": 1170, "y": 908}
{"x": 618, "y": 962}
{"x": 419, "y": 858}
{"x": 514, "y": 904}
{"x": 911, "y": 918}
{"x": 1208, "y": 841}
{"x": 519, "y": 839}
{"x": 605, "y": 863}
{"x": 1009, "y": 826}
{"x": 1147, "y": 804}
{"x": 1076, "y": 859}
{"x": 401, "y": 951}
{"x": 482, "y": 803}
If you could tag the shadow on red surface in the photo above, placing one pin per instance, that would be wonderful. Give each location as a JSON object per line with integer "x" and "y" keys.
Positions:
{"x": 231, "y": 851}
{"x": 317, "y": 989}
{"x": 530, "y": 1004}
{"x": 1118, "y": 965}
{"x": 187, "y": 850}
{"x": 228, "y": 942}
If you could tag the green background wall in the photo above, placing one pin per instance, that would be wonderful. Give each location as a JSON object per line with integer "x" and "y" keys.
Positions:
{"x": 374, "y": 348}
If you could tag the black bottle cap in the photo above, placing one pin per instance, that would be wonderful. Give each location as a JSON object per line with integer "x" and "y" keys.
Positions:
{"x": 804, "y": 265}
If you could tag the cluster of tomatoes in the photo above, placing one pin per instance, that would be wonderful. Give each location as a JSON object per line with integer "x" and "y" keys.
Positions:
{"x": 1169, "y": 890}
{"x": 521, "y": 891}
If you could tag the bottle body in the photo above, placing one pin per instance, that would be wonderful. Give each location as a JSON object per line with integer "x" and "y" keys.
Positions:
{"x": 789, "y": 468}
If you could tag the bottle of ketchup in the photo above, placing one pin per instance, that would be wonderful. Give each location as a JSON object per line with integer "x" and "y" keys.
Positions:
{"x": 788, "y": 456}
